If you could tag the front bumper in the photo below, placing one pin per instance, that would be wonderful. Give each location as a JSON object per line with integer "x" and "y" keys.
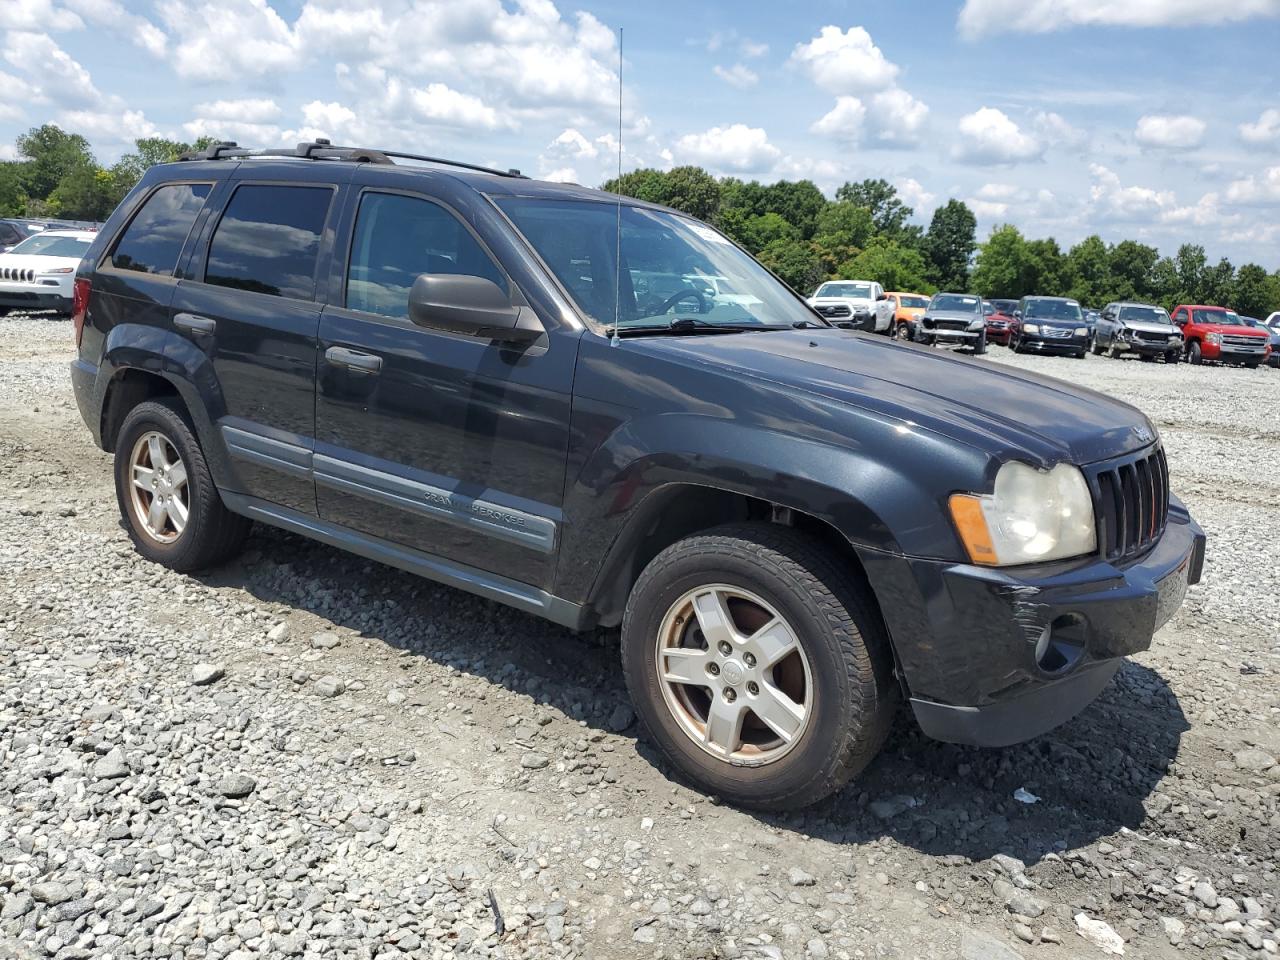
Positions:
{"x": 958, "y": 336}
{"x": 35, "y": 299}
{"x": 1042, "y": 344}
{"x": 1147, "y": 347}
{"x": 995, "y": 656}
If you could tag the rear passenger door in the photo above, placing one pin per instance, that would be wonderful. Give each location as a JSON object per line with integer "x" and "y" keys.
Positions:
{"x": 250, "y": 309}
{"x": 449, "y": 444}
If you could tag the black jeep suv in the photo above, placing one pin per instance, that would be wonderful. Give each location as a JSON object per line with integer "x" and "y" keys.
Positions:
{"x": 604, "y": 412}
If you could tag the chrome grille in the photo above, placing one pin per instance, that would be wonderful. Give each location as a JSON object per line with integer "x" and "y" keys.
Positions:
{"x": 17, "y": 273}
{"x": 1131, "y": 501}
{"x": 1151, "y": 337}
{"x": 1239, "y": 340}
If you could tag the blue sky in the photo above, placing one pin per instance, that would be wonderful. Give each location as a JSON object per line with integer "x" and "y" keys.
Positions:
{"x": 1153, "y": 119}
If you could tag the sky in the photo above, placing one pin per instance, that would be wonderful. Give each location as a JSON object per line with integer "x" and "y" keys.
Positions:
{"x": 1155, "y": 120}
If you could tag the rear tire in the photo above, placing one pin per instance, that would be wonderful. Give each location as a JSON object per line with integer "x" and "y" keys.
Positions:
{"x": 773, "y": 582}
{"x": 190, "y": 529}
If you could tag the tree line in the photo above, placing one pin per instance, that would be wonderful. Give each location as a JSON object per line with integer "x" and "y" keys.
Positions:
{"x": 865, "y": 233}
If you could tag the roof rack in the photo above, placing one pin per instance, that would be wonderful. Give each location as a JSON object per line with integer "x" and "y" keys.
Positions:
{"x": 322, "y": 149}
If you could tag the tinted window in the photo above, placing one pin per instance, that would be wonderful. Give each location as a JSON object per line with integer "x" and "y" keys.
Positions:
{"x": 8, "y": 234}
{"x": 269, "y": 239}
{"x": 153, "y": 241}
{"x": 396, "y": 239}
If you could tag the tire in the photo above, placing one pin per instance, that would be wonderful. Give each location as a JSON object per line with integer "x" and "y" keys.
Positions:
{"x": 1016, "y": 345}
{"x": 1095, "y": 347}
{"x": 211, "y": 533}
{"x": 1147, "y": 357}
{"x": 1114, "y": 352}
{"x": 844, "y": 652}
{"x": 1172, "y": 357}
{"x": 1193, "y": 353}
{"x": 980, "y": 347}
{"x": 1082, "y": 354}
{"x": 1252, "y": 365}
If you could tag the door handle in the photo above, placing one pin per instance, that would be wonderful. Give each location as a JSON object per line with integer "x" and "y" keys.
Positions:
{"x": 354, "y": 360}
{"x": 194, "y": 324}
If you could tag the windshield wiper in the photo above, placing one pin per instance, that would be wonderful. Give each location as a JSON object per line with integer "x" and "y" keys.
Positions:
{"x": 686, "y": 325}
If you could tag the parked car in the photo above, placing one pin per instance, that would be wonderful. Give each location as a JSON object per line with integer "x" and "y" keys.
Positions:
{"x": 1273, "y": 331}
{"x": 39, "y": 273}
{"x": 1091, "y": 318}
{"x": 444, "y": 368}
{"x": 954, "y": 318}
{"x": 13, "y": 232}
{"x": 855, "y": 304}
{"x": 1273, "y": 319}
{"x": 1050, "y": 325}
{"x": 907, "y": 310}
{"x": 1137, "y": 328}
{"x": 999, "y": 314}
{"x": 1216, "y": 333}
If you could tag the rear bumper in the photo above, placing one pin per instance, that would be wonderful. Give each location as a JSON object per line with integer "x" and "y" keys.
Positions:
{"x": 84, "y": 384}
{"x": 993, "y": 657}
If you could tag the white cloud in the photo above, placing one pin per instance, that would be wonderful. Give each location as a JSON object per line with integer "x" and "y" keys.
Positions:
{"x": 1114, "y": 201}
{"x": 897, "y": 117}
{"x": 1054, "y": 130}
{"x": 738, "y": 75}
{"x": 1266, "y": 130}
{"x": 439, "y": 103}
{"x": 38, "y": 15}
{"x": 988, "y": 136}
{"x": 984, "y": 17}
{"x": 1256, "y": 190}
{"x": 1169, "y": 132}
{"x": 248, "y": 110}
{"x": 108, "y": 126}
{"x": 845, "y": 121}
{"x": 112, "y": 15}
{"x": 736, "y": 147}
{"x": 221, "y": 38}
{"x": 51, "y": 72}
{"x": 915, "y": 195}
{"x": 845, "y": 61}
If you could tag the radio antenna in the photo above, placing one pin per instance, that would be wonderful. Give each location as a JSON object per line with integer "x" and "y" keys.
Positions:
{"x": 617, "y": 255}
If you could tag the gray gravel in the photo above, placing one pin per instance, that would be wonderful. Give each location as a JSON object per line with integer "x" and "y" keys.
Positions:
{"x": 388, "y": 768}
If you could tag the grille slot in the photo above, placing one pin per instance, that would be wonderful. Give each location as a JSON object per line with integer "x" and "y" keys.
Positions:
{"x": 838, "y": 310}
{"x": 1131, "y": 499}
{"x": 17, "y": 273}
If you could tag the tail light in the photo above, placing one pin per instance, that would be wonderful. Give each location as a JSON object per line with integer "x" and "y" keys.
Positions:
{"x": 80, "y": 305}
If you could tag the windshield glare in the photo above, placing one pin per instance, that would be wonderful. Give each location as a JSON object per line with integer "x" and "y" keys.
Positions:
{"x": 44, "y": 245}
{"x": 957, "y": 303}
{"x": 915, "y": 303}
{"x": 1144, "y": 314}
{"x": 859, "y": 290}
{"x": 1053, "y": 310}
{"x": 672, "y": 266}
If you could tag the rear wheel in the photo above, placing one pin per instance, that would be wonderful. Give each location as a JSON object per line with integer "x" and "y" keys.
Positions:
{"x": 1193, "y": 353}
{"x": 757, "y": 665}
{"x": 170, "y": 506}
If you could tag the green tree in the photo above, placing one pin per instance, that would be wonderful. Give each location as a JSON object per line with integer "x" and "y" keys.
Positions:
{"x": 1049, "y": 273}
{"x": 1190, "y": 265}
{"x": 890, "y": 264}
{"x": 1252, "y": 294}
{"x": 1003, "y": 268}
{"x": 13, "y": 192}
{"x": 844, "y": 224}
{"x": 799, "y": 202}
{"x": 880, "y": 198}
{"x": 795, "y": 262}
{"x": 1089, "y": 263}
{"x": 949, "y": 245}
{"x": 690, "y": 189}
{"x": 759, "y": 232}
{"x": 87, "y": 192}
{"x": 148, "y": 152}
{"x": 1218, "y": 283}
{"x": 51, "y": 154}
{"x": 1133, "y": 271}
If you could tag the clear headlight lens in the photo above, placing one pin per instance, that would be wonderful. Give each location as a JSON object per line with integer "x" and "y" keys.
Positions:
{"x": 1031, "y": 328}
{"x": 1214, "y": 338}
{"x": 1082, "y": 331}
{"x": 976, "y": 324}
{"x": 1033, "y": 516}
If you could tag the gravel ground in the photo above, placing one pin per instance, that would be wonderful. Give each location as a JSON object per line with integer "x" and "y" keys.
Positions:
{"x": 308, "y": 755}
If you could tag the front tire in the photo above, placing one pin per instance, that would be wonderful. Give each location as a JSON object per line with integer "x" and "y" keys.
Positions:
{"x": 166, "y": 494}
{"x": 757, "y": 665}
{"x": 1194, "y": 354}
{"x": 980, "y": 347}
{"x": 1095, "y": 347}
{"x": 1172, "y": 356}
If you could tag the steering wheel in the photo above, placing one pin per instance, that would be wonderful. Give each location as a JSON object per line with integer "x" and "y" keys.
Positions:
{"x": 703, "y": 305}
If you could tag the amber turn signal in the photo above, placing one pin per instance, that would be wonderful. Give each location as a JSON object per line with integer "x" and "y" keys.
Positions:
{"x": 971, "y": 524}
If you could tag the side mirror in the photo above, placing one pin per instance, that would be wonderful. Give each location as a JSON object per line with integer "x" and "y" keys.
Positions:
{"x": 883, "y": 296}
{"x": 473, "y": 306}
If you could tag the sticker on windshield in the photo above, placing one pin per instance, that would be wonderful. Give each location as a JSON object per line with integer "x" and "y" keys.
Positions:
{"x": 706, "y": 233}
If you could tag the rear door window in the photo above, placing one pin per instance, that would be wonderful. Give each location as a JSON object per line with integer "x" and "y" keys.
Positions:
{"x": 154, "y": 239}
{"x": 268, "y": 240}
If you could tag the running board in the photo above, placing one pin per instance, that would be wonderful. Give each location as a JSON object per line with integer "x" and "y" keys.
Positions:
{"x": 481, "y": 583}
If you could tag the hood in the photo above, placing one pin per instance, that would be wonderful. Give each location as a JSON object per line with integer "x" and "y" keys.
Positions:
{"x": 35, "y": 261}
{"x": 845, "y": 301}
{"x": 1149, "y": 326}
{"x": 1233, "y": 329}
{"x": 968, "y": 316}
{"x": 1008, "y": 413}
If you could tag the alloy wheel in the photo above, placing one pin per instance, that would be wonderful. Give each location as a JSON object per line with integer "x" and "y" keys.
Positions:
{"x": 158, "y": 493}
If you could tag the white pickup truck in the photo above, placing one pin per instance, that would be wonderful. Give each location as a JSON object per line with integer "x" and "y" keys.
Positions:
{"x": 860, "y": 304}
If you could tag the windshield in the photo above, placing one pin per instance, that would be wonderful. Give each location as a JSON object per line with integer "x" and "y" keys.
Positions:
{"x": 672, "y": 267}
{"x": 955, "y": 302}
{"x": 44, "y": 245}
{"x": 1144, "y": 314}
{"x": 861, "y": 291}
{"x": 914, "y": 303}
{"x": 1053, "y": 310}
{"x": 1004, "y": 306}
{"x": 1212, "y": 316}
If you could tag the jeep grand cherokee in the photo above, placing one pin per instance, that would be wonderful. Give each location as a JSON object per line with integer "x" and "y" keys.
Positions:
{"x": 451, "y": 370}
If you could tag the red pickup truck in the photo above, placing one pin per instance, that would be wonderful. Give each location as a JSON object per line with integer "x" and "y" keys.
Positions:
{"x": 1215, "y": 333}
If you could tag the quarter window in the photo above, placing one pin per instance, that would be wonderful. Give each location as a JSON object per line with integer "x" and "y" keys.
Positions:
{"x": 153, "y": 241}
{"x": 268, "y": 241}
{"x": 396, "y": 239}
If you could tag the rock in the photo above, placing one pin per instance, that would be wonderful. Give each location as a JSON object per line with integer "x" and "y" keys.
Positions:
{"x": 621, "y": 718}
{"x": 1024, "y": 904}
{"x": 534, "y": 761}
{"x": 646, "y": 824}
{"x": 800, "y": 878}
{"x": 396, "y": 696}
{"x": 978, "y": 945}
{"x": 816, "y": 949}
{"x": 887, "y": 808}
{"x": 701, "y": 907}
{"x": 1254, "y": 760}
{"x": 279, "y": 632}
{"x": 1174, "y": 929}
{"x": 237, "y": 785}
{"x": 645, "y": 934}
{"x": 18, "y": 905}
{"x": 330, "y": 686}
{"x": 325, "y": 640}
{"x": 1010, "y": 866}
{"x": 112, "y": 766}
{"x": 1100, "y": 934}
{"x": 51, "y": 892}
{"x": 1024, "y": 933}
{"x": 203, "y": 674}
{"x": 1204, "y": 892}
{"x": 555, "y": 928}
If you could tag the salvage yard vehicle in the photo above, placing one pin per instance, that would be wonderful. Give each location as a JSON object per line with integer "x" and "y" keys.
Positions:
{"x": 1050, "y": 325}
{"x": 446, "y": 369}
{"x": 999, "y": 314}
{"x": 38, "y": 273}
{"x": 908, "y": 308}
{"x": 954, "y": 318}
{"x": 1137, "y": 328}
{"x": 856, "y": 304}
{"x": 1216, "y": 333}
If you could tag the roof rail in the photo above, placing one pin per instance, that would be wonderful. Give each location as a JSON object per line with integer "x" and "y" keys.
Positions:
{"x": 322, "y": 149}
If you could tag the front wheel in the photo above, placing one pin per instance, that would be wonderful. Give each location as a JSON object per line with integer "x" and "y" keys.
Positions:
{"x": 1095, "y": 347}
{"x": 1252, "y": 364}
{"x": 1172, "y": 357}
{"x": 757, "y": 665}
{"x": 170, "y": 506}
{"x": 980, "y": 347}
{"x": 1194, "y": 354}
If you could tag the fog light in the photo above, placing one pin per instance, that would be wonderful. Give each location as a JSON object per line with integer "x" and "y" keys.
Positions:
{"x": 1061, "y": 643}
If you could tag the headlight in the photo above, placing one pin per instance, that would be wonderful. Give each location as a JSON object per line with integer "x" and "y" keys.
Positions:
{"x": 1082, "y": 331}
{"x": 1032, "y": 517}
{"x": 976, "y": 324}
{"x": 1031, "y": 328}
{"x": 1214, "y": 338}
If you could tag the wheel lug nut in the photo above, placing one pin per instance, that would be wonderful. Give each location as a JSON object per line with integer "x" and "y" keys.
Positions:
{"x": 725, "y": 648}
{"x": 713, "y": 669}
{"x": 753, "y": 688}
{"x": 731, "y": 695}
{"x": 749, "y": 660}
